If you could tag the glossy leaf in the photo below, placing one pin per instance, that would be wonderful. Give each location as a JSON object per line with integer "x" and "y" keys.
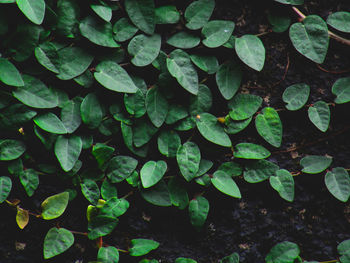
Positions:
{"x": 269, "y": 126}
{"x": 283, "y": 183}
{"x": 168, "y": 143}
{"x": 157, "y": 195}
{"x": 296, "y": 96}
{"x": 210, "y": 128}
{"x": 108, "y": 190}
{"x": 30, "y": 180}
{"x": 34, "y": 10}
{"x": 320, "y": 115}
{"x": 68, "y": 13}
{"x": 123, "y": 30}
{"x": 157, "y": 106}
{"x": 188, "y": 157}
{"x": 70, "y": 115}
{"x": 142, "y": 14}
{"x": 140, "y": 247}
{"x": 344, "y": 247}
{"x": 5, "y": 187}
{"x": 311, "y": 38}
{"x": 250, "y": 151}
{"x": 201, "y": 102}
{"x": 9, "y": 74}
{"x": 233, "y": 127}
{"x": 231, "y": 168}
{"x": 11, "y": 149}
{"x": 206, "y": 63}
{"x": 314, "y": 164}
{"x": 338, "y": 183}
{"x": 54, "y": 206}
{"x": 108, "y": 255}
{"x": 143, "y": 131}
{"x": 103, "y": 11}
{"x": 47, "y": 56}
{"x": 259, "y": 171}
{"x": 283, "y": 252}
{"x": 176, "y": 113}
{"x": 90, "y": 190}
{"x": 340, "y": 21}
{"x": 51, "y": 123}
{"x": 22, "y": 217}
{"x": 251, "y": 51}
{"x": 341, "y": 89}
{"x": 135, "y": 103}
{"x": 167, "y": 14}
{"x": 152, "y": 172}
{"x": 198, "y": 13}
{"x": 224, "y": 183}
{"x": 198, "y": 210}
{"x": 67, "y": 151}
{"x": 128, "y": 137}
{"x": 101, "y": 226}
{"x": 228, "y": 79}
{"x": 57, "y": 240}
{"x": 91, "y": 111}
{"x": 184, "y": 40}
{"x": 217, "y": 32}
{"x": 115, "y": 207}
{"x": 178, "y": 193}
{"x": 120, "y": 167}
{"x": 242, "y": 106}
{"x": 144, "y": 49}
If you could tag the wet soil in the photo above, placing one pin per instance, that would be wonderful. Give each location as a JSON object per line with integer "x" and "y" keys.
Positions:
{"x": 316, "y": 221}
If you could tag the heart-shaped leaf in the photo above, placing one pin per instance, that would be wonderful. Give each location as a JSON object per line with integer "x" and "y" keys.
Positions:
{"x": 224, "y": 183}
{"x": 108, "y": 255}
{"x": 242, "y": 106}
{"x": 251, "y": 51}
{"x": 296, "y": 96}
{"x": 341, "y": 88}
{"x": 340, "y": 21}
{"x": 168, "y": 143}
{"x": 56, "y": 241}
{"x": 142, "y": 14}
{"x": 283, "y": 252}
{"x": 123, "y": 30}
{"x": 283, "y": 183}
{"x": 259, "y": 171}
{"x": 67, "y": 151}
{"x": 198, "y": 13}
{"x": 314, "y": 164}
{"x": 144, "y": 49}
{"x": 152, "y": 172}
{"x": 198, "y": 210}
{"x": 320, "y": 115}
{"x": 338, "y": 183}
{"x": 188, "y": 158}
{"x": 217, "y": 32}
{"x": 140, "y": 247}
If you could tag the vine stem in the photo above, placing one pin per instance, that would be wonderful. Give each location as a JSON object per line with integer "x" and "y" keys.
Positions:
{"x": 330, "y": 33}
{"x": 329, "y": 261}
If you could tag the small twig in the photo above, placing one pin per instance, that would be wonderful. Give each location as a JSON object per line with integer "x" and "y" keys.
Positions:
{"x": 264, "y": 33}
{"x": 332, "y": 71}
{"x": 78, "y": 233}
{"x": 203, "y": 80}
{"x": 128, "y": 194}
{"x": 330, "y": 261}
{"x": 124, "y": 64}
{"x": 122, "y": 250}
{"x": 285, "y": 73}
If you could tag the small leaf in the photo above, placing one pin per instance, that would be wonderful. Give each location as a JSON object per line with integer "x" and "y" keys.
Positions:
{"x": 157, "y": 106}
{"x": 102, "y": 153}
{"x": 67, "y": 151}
{"x": 140, "y": 247}
{"x": 233, "y": 258}
{"x": 142, "y": 14}
{"x": 168, "y": 143}
{"x": 47, "y": 56}
{"x": 135, "y": 103}
{"x": 320, "y": 115}
{"x": 198, "y": 209}
{"x": 22, "y": 217}
{"x": 120, "y": 167}
{"x": 228, "y": 79}
{"x": 167, "y": 14}
{"x": 340, "y": 21}
{"x": 188, "y": 158}
{"x": 338, "y": 183}
{"x": 108, "y": 255}
{"x": 5, "y": 187}
{"x": 34, "y": 10}
{"x": 180, "y": 67}
{"x": 9, "y": 74}
{"x": 344, "y": 247}
{"x": 251, "y": 51}
{"x": 242, "y": 106}
{"x": 68, "y": 15}
{"x": 178, "y": 193}
{"x": 157, "y": 195}
{"x": 185, "y": 260}
{"x": 108, "y": 190}
{"x": 115, "y": 207}
{"x": 283, "y": 252}
{"x": 123, "y": 30}
{"x": 91, "y": 111}
{"x": 224, "y": 183}
{"x": 152, "y": 172}
{"x": 184, "y": 40}
{"x": 112, "y": 76}
{"x": 30, "y": 180}
{"x": 231, "y": 168}
{"x": 296, "y": 96}
{"x": 51, "y": 123}
{"x": 250, "y": 151}
{"x": 101, "y": 226}
{"x": 217, "y": 32}
{"x": 11, "y": 149}
{"x": 234, "y": 127}
{"x": 314, "y": 164}
{"x": 103, "y": 11}
{"x": 211, "y": 129}
{"x": 341, "y": 89}
{"x": 198, "y": 13}
{"x": 269, "y": 126}
{"x": 54, "y": 206}
{"x": 259, "y": 171}
{"x": 283, "y": 183}
{"x": 144, "y": 49}
{"x": 311, "y": 38}
{"x": 143, "y": 131}
{"x": 56, "y": 241}
{"x": 280, "y": 23}
{"x": 70, "y": 115}
{"x": 206, "y": 63}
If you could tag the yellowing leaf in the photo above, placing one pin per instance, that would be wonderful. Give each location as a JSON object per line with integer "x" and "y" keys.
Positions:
{"x": 22, "y": 217}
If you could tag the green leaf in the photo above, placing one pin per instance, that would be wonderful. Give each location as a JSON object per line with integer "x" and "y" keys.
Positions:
{"x": 225, "y": 184}
{"x": 70, "y": 68}
{"x": 30, "y": 180}
{"x": 283, "y": 252}
{"x": 9, "y": 74}
{"x": 211, "y": 130}
{"x": 201, "y": 102}
{"x": 35, "y": 94}
{"x": 108, "y": 190}
{"x": 102, "y": 153}
{"x": 311, "y": 38}
{"x": 120, "y": 167}
{"x": 115, "y": 207}
{"x": 128, "y": 134}
{"x": 250, "y": 151}
{"x": 231, "y": 168}
{"x": 168, "y": 143}
{"x": 91, "y": 111}
{"x": 70, "y": 115}
{"x": 68, "y": 13}
{"x": 108, "y": 255}
{"x": 320, "y": 115}
{"x": 314, "y": 164}
{"x": 243, "y": 106}
{"x": 176, "y": 113}
{"x": 283, "y": 183}
{"x": 296, "y": 96}
{"x": 206, "y": 63}
{"x": 5, "y": 187}
{"x": 57, "y": 240}
{"x": 280, "y": 23}
{"x": 233, "y": 258}
{"x": 47, "y": 55}
{"x": 234, "y": 127}
{"x": 90, "y": 190}
{"x": 123, "y": 30}
{"x": 144, "y": 49}
{"x": 185, "y": 260}
{"x": 11, "y": 149}
{"x": 67, "y": 151}
{"x": 269, "y": 126}
{"x": 251, "y": 51}
{"x": 198, "y": 210}
{"x": 217, "y": 32}
{"x": 167, "y": 14}
{"x": 180, "y": 67}
{"x": 259, "y": 171}
{"x": 103, "y": 11}
{"x": 101, "y": 226}
{"x": 178, "y": 193}
{"x": 198, "y": 13}
{"x": 140, "y": 247}
{"x": 112, "y": 76}
{"x": 228, "y": 79}
{"x": 188, "y": 157}
{"x": 98, "y": 32}
{"x": 344, "y": 247}
{"x": 291, "y": 2}
{"x": 142, "y": 14}
{"x": 143, "y": 131}
{"x": 338, "y": 183}
{"x": 341, "y": 89}
{"x": 157, "y": 195}
{"x": 152, "y": 172}
{"x": 51, "y": 123}
{"x": 184, "y": 40}
{"x": 54, "y": 206}
{"x": 135, "y": 103}
{"x": 340, "y": 21}
{"x": 34, "y": 10}
{"x": 157, "y": 106}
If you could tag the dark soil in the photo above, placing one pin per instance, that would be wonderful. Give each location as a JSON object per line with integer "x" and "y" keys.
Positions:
{"x": 316, "y": 221}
